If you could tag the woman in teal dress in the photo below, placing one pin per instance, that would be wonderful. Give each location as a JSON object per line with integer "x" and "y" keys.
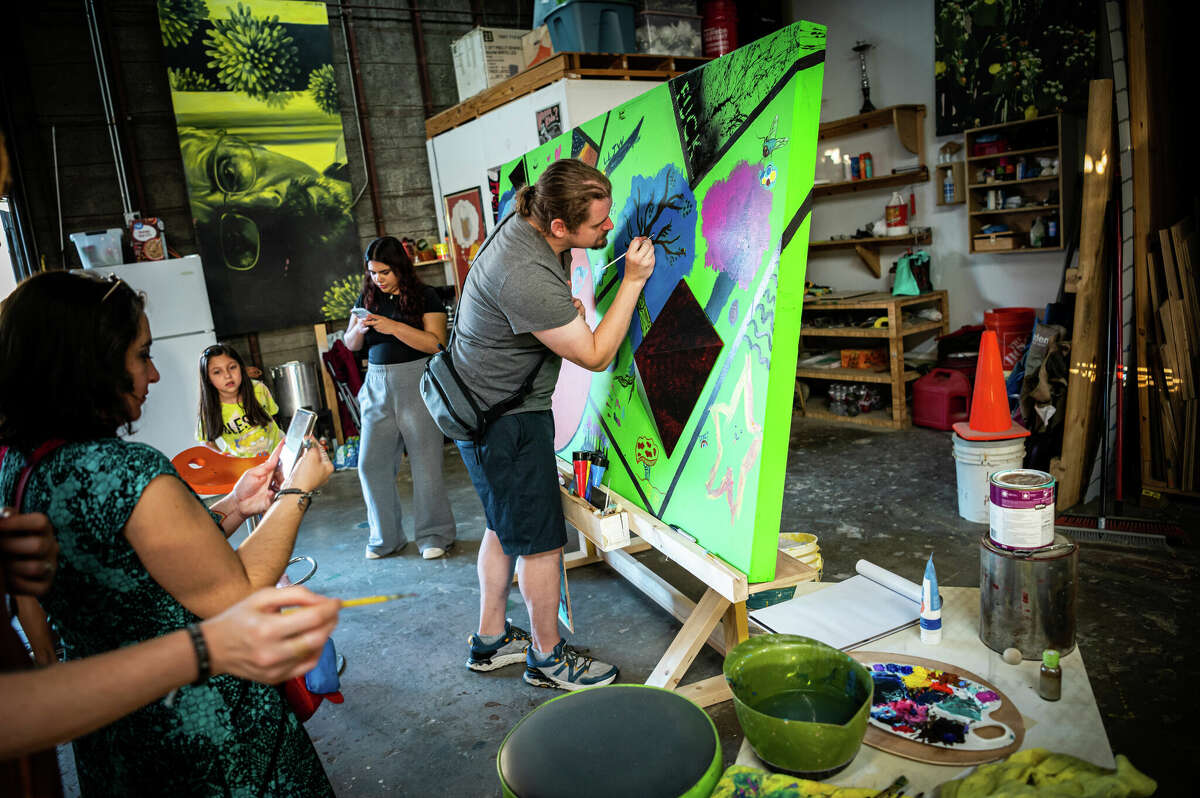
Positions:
{"x": 139, "y": 555}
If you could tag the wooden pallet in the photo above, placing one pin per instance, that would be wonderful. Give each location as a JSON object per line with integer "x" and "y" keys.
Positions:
{"x": 576, "y": 66}
{"x": 1170, "y": 380}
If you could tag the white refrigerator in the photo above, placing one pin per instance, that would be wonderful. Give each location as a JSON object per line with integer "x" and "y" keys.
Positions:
{"x": 181, "y": 326}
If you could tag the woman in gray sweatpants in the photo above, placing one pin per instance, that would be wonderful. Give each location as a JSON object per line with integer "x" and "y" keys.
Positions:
{"x": 401, "y": 322}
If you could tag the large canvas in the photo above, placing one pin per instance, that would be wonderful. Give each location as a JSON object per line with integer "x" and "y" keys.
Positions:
{"x": 256, "y": 106}
{"x": 716, "y": 167}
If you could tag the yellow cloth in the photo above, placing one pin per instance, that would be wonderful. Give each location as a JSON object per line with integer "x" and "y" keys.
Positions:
{"x": 739, "y": 781}
{"x": 240, "y": 438}
{"x": 1036, "y": 771}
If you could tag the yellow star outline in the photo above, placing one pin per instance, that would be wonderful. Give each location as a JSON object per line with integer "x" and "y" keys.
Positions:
{"x": 743, "y": 392}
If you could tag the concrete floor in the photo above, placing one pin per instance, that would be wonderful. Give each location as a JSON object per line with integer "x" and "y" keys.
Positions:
{"x": 417, "y": 722}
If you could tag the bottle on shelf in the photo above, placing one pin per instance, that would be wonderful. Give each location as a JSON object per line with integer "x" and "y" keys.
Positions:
{"x": 948, "y": 188}
{"x": 1037, "y": 233}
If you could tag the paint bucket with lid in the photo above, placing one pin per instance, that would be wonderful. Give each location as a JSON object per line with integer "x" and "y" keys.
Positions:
{"x": 975, "y": 462}
{"x": 1021, "y": 509}
{"x": 1027, "y": 598}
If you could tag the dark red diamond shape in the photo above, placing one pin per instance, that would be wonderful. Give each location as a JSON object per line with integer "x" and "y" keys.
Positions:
{"x": 674, "y": 362}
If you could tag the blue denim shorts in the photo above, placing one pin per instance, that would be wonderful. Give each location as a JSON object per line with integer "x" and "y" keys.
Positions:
{"x": 514, "y": 473}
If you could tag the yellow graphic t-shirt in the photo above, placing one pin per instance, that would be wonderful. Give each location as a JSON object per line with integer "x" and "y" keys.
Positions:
{"x": 242, "y": 439}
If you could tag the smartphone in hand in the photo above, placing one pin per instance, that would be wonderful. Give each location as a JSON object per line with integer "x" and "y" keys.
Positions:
{"x": 303, "y": 422}
{"x": 359, "y": 313}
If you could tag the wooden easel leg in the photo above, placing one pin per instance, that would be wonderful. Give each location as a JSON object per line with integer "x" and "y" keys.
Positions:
{"x": 691, "y": 638}
{"x": 737, "y": 625}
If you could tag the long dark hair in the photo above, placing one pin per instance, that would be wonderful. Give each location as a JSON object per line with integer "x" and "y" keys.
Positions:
{"x": 63, "y": 342}
{"x": 410, "y": 299}
{"x": 212, "y": 425}
{"x": 565, "y": 190}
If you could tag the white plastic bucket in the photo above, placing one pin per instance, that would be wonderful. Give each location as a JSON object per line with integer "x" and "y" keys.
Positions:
{"x": 975, "y": 462}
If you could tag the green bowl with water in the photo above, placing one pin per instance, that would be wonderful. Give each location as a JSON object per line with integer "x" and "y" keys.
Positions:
{"x": 802, "y": 704}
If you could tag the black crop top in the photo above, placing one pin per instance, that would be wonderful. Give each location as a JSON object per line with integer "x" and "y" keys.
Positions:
{"x": 385, "y": 349}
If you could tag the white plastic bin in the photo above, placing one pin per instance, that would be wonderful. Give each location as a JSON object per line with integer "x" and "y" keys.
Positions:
{"x": 99, "y": 248}
{"x": 974, "y": 463}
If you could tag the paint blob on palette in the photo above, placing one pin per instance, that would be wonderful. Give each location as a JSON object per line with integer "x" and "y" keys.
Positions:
{"x": 938, "y": 708}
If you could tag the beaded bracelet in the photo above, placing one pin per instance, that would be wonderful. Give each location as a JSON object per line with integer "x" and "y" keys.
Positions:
{"x": 305, "y": 496}
{"x": 203, "y": 665}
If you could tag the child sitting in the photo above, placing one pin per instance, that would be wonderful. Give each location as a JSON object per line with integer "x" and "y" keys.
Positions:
{"x": 236, "y": 412}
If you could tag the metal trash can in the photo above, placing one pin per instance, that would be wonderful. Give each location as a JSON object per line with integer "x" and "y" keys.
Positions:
{"x": 295, "y": 387}
{"x": 1027, "y": 598}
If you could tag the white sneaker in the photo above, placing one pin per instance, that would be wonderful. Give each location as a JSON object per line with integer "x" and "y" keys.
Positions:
{"x": 433, "y": 552}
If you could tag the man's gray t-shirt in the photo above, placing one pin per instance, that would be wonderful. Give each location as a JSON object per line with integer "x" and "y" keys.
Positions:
{"x": 516, "y": 286}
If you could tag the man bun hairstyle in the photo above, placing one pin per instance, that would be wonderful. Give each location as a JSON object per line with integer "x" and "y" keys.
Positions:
{"x": 566, "y": 190}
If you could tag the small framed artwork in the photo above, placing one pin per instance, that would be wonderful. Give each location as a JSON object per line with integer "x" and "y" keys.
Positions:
{"x": 465, "y": 222}
{"x": 549, "y": 123}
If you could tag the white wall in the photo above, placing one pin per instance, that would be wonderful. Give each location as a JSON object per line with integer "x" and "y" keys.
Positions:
{"x": 460, "y": 158}
{"x": 900, "y": 69}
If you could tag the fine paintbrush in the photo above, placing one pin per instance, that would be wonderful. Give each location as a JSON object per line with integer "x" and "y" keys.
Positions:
{"x": 611, "y": 262}
{"x": 358, "y": 602}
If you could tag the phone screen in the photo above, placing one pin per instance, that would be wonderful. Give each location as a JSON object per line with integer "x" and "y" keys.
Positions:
{"x": 360, "y": 313}
{"x": 301, "y": 427}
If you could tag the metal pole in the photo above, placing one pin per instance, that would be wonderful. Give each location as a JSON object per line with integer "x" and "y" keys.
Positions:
{"x": 106, "y": 101}
{"x": 62, "y": 255}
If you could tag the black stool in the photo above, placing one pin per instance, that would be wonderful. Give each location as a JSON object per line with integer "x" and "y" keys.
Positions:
{"x": 617, "y": 740}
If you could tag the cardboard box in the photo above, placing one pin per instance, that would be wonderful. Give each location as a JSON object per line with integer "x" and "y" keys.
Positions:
{"x": 663, "y": 33}
{"x": 485, "y": 57}
{"x": 536, "y": 46}
{"x": 991, "y": 242}
{"x": 864, "y": 359}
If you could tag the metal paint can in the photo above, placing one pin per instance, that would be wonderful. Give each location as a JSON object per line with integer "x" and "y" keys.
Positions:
{"x": 1021, "y": 509}
{"x": 1027, "y": 599}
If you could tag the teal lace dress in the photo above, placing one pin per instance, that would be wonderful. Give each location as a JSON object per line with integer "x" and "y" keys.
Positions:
{"x": 227, "y": 737}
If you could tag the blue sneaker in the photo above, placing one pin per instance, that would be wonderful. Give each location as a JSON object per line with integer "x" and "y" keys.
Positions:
{"x": 508, "y": 651}
{"x": 567, "y": 669}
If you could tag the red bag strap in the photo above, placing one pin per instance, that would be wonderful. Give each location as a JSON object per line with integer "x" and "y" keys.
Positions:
{"x": 38, "y": 455}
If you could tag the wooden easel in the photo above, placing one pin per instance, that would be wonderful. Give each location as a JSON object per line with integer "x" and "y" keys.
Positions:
{"x": 719, "y": 618}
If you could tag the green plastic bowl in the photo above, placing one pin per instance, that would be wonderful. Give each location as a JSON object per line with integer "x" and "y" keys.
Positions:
{"x": 802, "y": 704}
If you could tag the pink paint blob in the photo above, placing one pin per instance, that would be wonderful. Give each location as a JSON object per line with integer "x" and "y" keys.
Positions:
{"x": 574, "y": 382}
{"x": 737, "y": 225}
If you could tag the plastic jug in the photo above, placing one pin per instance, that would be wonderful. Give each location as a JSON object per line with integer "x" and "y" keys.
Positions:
{"x": 940, "y": 398}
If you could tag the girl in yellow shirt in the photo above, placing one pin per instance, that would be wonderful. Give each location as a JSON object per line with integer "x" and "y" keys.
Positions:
{"x": 236, "y": 412}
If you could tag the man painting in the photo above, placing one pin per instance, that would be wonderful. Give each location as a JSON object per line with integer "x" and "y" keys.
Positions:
{"x": 517, "y": 314}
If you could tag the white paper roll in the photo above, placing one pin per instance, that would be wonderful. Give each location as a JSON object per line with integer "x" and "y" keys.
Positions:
{"x": 889, "y": 580}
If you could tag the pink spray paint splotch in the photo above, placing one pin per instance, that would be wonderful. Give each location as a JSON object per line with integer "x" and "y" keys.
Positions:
{"x": 571, "y": 391}
{"x": 736, "y": 224}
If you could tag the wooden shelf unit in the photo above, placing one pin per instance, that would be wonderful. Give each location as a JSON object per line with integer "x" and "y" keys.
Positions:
{"x": 896, "y": 376}
{"x": 868, "y": 248}
{"x": 871, "y": 183}
{"x": 1052, "y": 136}
{"x": 909, "y": 122}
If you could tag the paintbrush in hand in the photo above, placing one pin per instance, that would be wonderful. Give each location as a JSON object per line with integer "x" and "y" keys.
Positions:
{"x": 358, "y": 602}
{"x": 611, "y": 262}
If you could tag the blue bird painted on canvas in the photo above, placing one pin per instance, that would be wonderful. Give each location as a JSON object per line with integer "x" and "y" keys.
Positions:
{"x": 771, "y": 141}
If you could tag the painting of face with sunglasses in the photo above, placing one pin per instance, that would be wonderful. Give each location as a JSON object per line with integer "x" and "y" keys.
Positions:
{"x": 264, "y": 159}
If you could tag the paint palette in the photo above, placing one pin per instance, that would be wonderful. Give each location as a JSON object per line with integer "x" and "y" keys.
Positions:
{"x": 936, "y": 707}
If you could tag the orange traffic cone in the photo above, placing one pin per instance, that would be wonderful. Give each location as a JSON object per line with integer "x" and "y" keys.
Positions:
{"x": 990, "y": 418}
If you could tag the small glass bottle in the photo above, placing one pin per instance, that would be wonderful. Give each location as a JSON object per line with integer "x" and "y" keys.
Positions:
{"x": 1050, "y": 678}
